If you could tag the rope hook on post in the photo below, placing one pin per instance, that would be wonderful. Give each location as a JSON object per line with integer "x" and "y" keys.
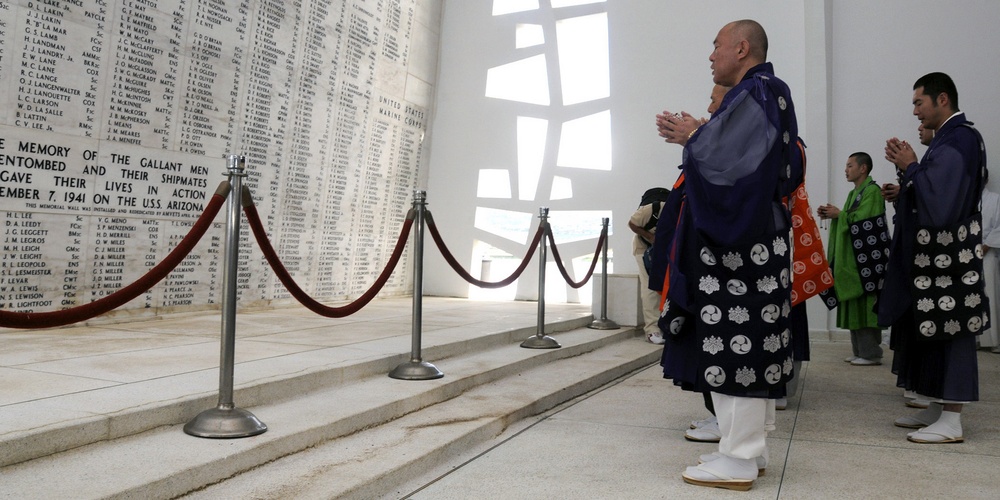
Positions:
{"x": 225, "y": 420}
{"x": 540, "y": 340}
{"x": 604, "y": 323}
{"x": 416, "y": 368}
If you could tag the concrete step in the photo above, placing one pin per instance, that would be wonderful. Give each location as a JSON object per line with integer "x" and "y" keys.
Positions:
{"x": 377, "y": 462}
{"x": 361, "y": 437}
{"x": 38, "y": 428}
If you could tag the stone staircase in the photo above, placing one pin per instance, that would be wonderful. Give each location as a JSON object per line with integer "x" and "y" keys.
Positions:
{"x": 336, "y": 427}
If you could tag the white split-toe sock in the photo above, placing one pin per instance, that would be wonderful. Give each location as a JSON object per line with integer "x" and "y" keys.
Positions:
{"x": 723, "y": 472}
{"x": 947, "y": 429}
{"x": 708, "y": 433}
{"x": 703, "y": 422}
{"x": 761, "y": 460}
{"x": 922, "y": 418}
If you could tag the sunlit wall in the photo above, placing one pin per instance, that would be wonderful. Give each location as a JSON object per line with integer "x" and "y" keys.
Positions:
{"x": 850, "y": 65}
{"x": 550, "y": 103}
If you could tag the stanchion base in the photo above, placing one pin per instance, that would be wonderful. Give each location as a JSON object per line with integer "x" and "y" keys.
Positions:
{"x": 536, "y": 342}
{"x": 603, "y": 324}
{"x": 412, "y": 370}
{"x": 223, "y": 422}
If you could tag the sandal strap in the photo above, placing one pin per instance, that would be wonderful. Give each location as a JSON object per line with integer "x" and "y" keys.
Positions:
{"x": 718, "y": 475}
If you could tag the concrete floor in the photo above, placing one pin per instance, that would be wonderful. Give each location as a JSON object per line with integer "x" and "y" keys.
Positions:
{"x": 835, "y": 440}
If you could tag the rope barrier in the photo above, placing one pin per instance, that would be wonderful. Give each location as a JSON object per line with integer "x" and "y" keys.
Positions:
{"x": 10, "y": 319}
{"x": 562, "y": 269}
{"x": 253, "y": 218}
{"x": 468, "y": 277}
{"x": 120, "y": 297}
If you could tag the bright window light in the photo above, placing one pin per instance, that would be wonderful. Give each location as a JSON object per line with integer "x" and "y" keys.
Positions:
{"x": 501, "y": 7}
{"x": 494, "y": 183}
{"x": 507, "y": 224}
{"x": 581, "y": 47}
{"x": 523, "y": 81}
{"x": 583, "y": 58}
{"x": 586, "y": 142}
{"x": 531, "y": 135}
{"x": 528, "y": 35}
{"x": 577, "y": 225}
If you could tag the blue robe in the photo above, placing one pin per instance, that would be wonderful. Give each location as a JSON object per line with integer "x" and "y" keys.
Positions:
{"x": 942, "y": 189}
{"x": 728, "y": 301}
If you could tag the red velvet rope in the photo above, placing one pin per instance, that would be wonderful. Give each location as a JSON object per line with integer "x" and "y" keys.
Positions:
{"x": 293, "y": 288}
{"x": 84, "y": 312}
{"x": 562, "y": 269}
{"x": 468, "y": 277}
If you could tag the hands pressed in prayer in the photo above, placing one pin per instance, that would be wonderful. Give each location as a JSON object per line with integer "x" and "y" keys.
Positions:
{"x": 899, "y": 153}
{"x": 677, "y": 128}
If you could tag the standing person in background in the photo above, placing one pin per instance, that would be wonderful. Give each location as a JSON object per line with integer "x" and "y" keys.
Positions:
{"x": 856, "y": 310}
{"x": 731, "y": 273}
{"x": 678, "y": 351}
{"x": 643, "y": 223}
{"x": 890, "y": 192}
{"x": 940, "y": 195}
{"x": 991, "y": 268}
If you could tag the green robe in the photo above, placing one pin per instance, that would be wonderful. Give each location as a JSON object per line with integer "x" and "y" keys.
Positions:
{"x": 856, "y": 307}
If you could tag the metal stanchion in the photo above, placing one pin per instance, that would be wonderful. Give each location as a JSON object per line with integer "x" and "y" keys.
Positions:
{"x": 540, "y": 340}
{"x": 416, "y": 369}
{"x": 604, "y": 323}
{"x": 225, "y": 420}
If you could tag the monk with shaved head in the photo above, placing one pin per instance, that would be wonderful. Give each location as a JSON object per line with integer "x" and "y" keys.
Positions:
{"x": 728, "y": 282}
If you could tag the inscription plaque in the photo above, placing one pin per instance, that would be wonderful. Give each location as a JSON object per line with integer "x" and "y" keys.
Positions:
{"x": 120, "y": 115}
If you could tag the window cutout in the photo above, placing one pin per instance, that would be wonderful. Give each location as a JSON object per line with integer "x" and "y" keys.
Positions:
{"x": 583, "y": 58}
{"x": 524, "y": 81}
{"x": 586, "y": 142}
{"x": 562, "y": 188}
{"x": 501, "y": 7}
{"x": 528, "y": 35}
{"x": 556, "y": 4}
{"x": 494, "y": 183}
{"x": 531, "y": 135}
{"x": 506, "y": 224}
{"x": 577, "y": 225}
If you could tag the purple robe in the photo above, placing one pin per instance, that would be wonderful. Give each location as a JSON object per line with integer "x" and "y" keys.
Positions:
{"x": 942, "y": 189}
{"x": 730, "y": 260}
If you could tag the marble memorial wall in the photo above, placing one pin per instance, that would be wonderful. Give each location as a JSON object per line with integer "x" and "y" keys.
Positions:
{"x": 118, "y": 117}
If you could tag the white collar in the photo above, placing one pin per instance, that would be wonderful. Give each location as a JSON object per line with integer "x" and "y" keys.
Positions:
{"x": 949, "y": 118}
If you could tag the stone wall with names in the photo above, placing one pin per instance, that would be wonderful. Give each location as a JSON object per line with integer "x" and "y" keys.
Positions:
{"x": 119, "y": 115}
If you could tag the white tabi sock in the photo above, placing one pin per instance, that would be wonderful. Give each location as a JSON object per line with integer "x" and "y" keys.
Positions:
{"x": 952, "y": 421}
{"x": 931, "y": 414}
